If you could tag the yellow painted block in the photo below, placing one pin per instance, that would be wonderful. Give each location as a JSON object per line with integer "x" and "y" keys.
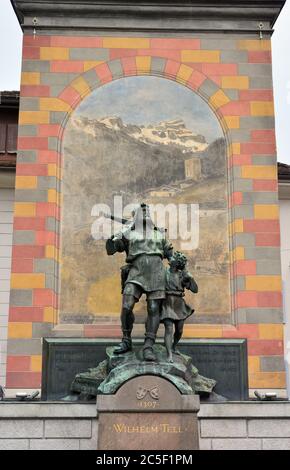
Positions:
{"x": 143, "y": 64}
{"x": 194, "y": 332}
{"x": 25, "y": 182}
{"x": 53, "y": 104}
{"x": 267, "y": 380}
{"x": 262, "y": 172}
{"x": 271, "y": 331}
{"x": 236, "y": 148}
{"x": 30, "y": 78}
{"x": 27, "y": 281}
{"x": 238, "y": 253}
{"x": 126, "y": 43}
{"x": 255, "y": 44}
{"x": 52, "y": 169}
{"x": 266, "y": 211}
{"x": 35, "y": 363}
{"x": 52, "y": 195}
{"x": 54, "y": 53}
{"x": 264, "y": 283}
{"x": 184, "y": 73}
{"x": 238, "y": 226}
{"x": 24, "y": 209}
{"x": 81, "y": 86}
{"x": 20, "y": 330}
{"x": 253, "y": 364}
{"x": 218, "y": 99}
{"x": 200, "y": 56}
{"x": 262, "y": 108}
{"x": 89, "y": 64}
{"x": 49, "y": 315}
{"x": 51, "y": 252}
{"x": 34, "y": 117}
{"x": 237, "y": 82}
{"x": 232, "y": 122}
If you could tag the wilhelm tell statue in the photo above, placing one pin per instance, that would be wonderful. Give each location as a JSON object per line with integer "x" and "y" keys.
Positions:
{"x": 145, "y": 246}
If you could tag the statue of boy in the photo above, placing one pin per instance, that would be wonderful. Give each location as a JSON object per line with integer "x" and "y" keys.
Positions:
{"x": 145, "y": 246}
{"x": 174, "y": 309}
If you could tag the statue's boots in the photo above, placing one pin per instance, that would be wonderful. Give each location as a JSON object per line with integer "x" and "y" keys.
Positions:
{"x": 148, "y": 352}
{"x": 124, "y": 346}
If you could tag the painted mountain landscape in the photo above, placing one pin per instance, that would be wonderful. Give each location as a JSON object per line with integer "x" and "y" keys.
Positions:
{"x": 145, "y": 139}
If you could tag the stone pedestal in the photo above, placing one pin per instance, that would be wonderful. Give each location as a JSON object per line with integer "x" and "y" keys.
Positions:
{"x": 148, "y": 412}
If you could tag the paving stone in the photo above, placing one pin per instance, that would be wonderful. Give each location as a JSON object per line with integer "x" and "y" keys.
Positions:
{"x": 269, "y": 428}
{"x": 223, "y": 428}
{"x": 21, "y": 428}
{"x": 54, "y": 444}
{"x": 236, "y": 444}
{"x": 14, "y": 444}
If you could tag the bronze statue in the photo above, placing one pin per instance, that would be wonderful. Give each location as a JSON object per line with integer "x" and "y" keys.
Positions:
{"x": 174, "y": 309}
{"x": 145, "y": 246}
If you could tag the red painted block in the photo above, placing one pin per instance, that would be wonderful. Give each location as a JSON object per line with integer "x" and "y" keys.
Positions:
{"x": 32, "y": 143}
{"x": 49, "y": 130}
{"x": 267, "y": 239}
{"x": 236, "y": 108}
{"x": 237, "y": 198}
{"x": 246, "y": 299}
{"x": 27, "y": 251}
{"x": 164, "y": 53}
{"x": 22, "y": 265}
{"x": 195, "y": 66}
{"x": 36, "y": 41}
{"x": 26, "y": 314}
{"x": 242, "y": 331}
{"x": 220, "y": 69}
{"x": 196, "y": 79}
{"x": 265, "y": 185}
{"x": 258, "y": 57}
{"x": 29, "y": 223}
{"x": 31, "y": 169}
{"x": 265, "y": 135}
{"x": 70, "y": 96}
{"x": 43, "y": 297}
{"x": 78, "y": 41}
{"x": 119, "y": 53}
{"x": 129, "y": 65}
{"x": 35, "y": 90}
{"x": 46, "y": 238}
{"x": 31, "y": 53}
{"x": 265, "y": 347}
{"x": 45, "y": 209}
{"x": 23, "y": 380}
{"x": 262, "y": 226}
{"x": 47, "y": 156}
{"x": 245, "y": 267}
{"x": 18, "y": 363}
{"x": 258, "y": 148}
{"x": 269, "y": 299}
{"x": 256, "y": 95}
{"x": 240, "y": 160}
{"x": 67, "y": 66}
{"x": 172, "y": 43}
{"x": 104, "y": 73}
{"x": 172, "y": 68}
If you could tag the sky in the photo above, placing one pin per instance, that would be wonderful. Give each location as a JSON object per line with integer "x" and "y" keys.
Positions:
{"x": 10, "y": 65}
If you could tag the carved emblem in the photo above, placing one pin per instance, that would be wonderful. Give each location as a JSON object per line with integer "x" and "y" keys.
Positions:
{"x": 142, "y": 392}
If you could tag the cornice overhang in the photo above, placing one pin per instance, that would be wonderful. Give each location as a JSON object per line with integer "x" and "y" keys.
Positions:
{"x": 183, "y": 15}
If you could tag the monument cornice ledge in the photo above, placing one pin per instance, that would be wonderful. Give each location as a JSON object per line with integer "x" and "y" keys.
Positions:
{"x": 184, "y": 15}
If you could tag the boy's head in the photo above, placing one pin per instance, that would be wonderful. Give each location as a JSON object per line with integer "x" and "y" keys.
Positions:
{"x": 178, "y": 260}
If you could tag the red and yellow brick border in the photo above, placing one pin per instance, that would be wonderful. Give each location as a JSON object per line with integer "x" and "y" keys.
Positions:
{"x": 234, "y": 78}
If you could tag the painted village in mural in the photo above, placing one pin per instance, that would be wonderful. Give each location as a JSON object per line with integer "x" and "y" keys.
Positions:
{"x": 145, "y": 139}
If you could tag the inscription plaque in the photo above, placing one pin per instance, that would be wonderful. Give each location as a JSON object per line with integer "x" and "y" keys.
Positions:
{"x": 148, "y": 412}
{"x": 224, "y": 360}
